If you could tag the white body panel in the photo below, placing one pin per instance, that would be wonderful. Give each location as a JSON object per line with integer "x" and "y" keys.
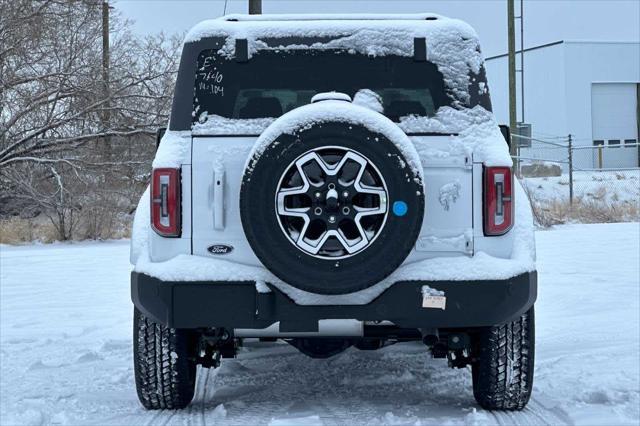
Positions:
{"x": 447, "y": 226}
{"x": 218, "y": 165}
{"x": 214, "y": 157}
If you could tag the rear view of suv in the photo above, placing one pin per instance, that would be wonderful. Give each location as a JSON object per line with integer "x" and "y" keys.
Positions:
{"x": 333, "y": 181}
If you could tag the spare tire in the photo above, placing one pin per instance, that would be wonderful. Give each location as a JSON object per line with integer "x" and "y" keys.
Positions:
{"x": 331, "y": 207}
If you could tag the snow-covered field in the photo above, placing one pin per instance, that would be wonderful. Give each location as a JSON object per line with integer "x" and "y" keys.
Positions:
{"x": 610, "y": 187}
{"x": 66, "y": 350}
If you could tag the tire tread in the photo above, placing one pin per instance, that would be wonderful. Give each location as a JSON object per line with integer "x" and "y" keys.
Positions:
{"x": 503, "y": 372}
{"x": 164, "y": 370}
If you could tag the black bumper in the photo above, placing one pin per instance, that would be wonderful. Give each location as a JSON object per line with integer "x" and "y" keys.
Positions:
{"x": 239, "y": 305}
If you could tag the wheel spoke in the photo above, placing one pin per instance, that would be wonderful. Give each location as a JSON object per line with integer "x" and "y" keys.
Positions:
{"x": 313, "y": 156}
{"x": 353, "y": 246}
{"x": 367, "y": 189}
{"x": 297, "y": 212}
{"x": 286, "y": 211}
{"x": 314, "y": 246}
{"x": 283, "y": 193}
{"x": 369, "y": 211}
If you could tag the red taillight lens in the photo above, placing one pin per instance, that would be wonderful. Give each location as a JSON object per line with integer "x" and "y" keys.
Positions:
{"x": 498, "y": 200}
{"x": 165, "y": 202}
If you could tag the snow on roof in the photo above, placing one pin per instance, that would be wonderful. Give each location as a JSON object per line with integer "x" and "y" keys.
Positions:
{"x": 452, "y": 45}
{"x": 329, "y": 17}
{"x": 275, "y": 26}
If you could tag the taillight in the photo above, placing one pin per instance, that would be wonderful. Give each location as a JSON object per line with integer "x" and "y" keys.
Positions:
{"x": 498, "y": 200}
{"x": 165, "y": 202}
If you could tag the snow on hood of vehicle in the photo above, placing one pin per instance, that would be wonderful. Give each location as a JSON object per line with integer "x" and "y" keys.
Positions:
{"x": 452, "y": 45}
{"x": 336, "y": 111}
{"x": 481, "y": 266}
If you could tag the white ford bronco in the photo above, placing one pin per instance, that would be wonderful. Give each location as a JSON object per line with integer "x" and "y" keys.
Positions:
{"x": 333, "y": 181}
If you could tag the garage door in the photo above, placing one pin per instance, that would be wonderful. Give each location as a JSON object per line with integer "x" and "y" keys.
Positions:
{"x": 614, "y": 114}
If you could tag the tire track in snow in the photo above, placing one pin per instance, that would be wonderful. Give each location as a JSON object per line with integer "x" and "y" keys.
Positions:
{"x": 535, "y": 409}
{"x": 561, "y": 417}
{"x": 534, "y": 414}
{"x": 157, "y": 415}
{"x": 339, "y": 391}
{"x": 203, "y": 402}
{"x": 153, "y": 418}
{"x": 192, "y": 411}
{"x": 164, "y": 417}
{"x": 168, "y": 418}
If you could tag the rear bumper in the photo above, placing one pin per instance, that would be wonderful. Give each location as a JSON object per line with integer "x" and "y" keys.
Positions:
{"x": 239, "y": 305}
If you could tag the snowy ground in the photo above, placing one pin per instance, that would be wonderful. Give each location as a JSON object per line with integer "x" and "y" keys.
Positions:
{"x": 65, "y": 352}
{"x": 610, "y": 187}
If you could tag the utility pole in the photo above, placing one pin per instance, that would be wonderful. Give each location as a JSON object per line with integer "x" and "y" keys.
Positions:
{"x": 106, "y": 115}
{"x": 571, "y": 170}
{"x": 255, "y": 7}
{"x": 512, "y": 73}
{"x": 105, "y": 54}
{"x": 522, "y": 120}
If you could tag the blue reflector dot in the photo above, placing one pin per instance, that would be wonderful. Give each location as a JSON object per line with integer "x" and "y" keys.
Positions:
{"x": 400, "y": 208}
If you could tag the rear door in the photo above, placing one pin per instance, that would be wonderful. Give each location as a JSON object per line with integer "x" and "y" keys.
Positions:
{"x": 218, "y": 164}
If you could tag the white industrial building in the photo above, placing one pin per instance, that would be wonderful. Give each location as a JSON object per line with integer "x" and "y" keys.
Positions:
{"x": 589, "y": 89}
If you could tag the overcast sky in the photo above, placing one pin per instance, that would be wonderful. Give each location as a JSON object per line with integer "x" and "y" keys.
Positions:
{"x": 545, "y": 20}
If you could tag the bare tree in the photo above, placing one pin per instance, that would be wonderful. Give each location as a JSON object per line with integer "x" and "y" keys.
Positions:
{"x": 53, "y": 105}
{"x": 50, "y": 80}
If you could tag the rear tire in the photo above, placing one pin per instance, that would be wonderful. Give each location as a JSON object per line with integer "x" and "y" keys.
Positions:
{"x": 164, "y": 364}
{"x": 503, "y": 371}
{"x": 322, "y": 274}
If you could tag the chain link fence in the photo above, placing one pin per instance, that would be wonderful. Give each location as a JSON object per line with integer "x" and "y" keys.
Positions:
{"x": 576, "y": 180}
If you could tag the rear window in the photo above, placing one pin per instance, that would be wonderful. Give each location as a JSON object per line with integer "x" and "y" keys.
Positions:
{"x": 273, "y": 82}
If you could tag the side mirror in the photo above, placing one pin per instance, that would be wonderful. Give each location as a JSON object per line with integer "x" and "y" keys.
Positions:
{"x": 159, "y": 134}
{"x": 506, "y": 134}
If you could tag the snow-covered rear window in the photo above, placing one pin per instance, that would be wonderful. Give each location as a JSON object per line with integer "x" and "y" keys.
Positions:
{"x": 273, "y": 82}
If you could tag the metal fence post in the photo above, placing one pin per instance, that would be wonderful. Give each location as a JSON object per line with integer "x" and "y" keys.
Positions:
{"x": 600, "y": 157}
{"x": 570, "y": 171}
{"x": 518, "y": 172}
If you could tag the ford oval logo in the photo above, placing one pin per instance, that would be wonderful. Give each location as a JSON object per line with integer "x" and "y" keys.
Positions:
{"x": 220, "y": 249}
